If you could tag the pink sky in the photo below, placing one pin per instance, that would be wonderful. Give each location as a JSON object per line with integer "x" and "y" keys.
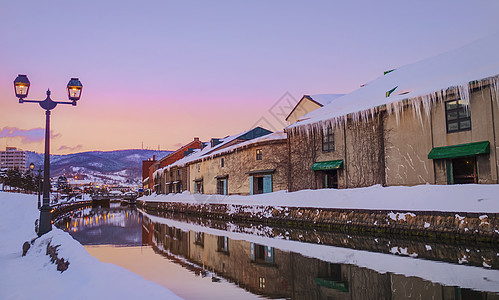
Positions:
{"x": 163, "y": 72}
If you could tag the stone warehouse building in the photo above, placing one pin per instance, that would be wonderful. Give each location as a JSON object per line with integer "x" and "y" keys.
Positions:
{"x": 434, "y": 121}
{"x": 256, "y": 166}
{"x": 196, "y": 171}
{"x": 159, "y": 182}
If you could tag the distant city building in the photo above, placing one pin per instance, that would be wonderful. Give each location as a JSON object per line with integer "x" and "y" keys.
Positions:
{"x": 13, "y": 158}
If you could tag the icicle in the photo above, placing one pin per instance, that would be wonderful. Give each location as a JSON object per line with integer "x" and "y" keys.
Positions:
{"x": 464, "y": 94}
{"x": 494, "y": 89}
{"x": 419, "y": 104}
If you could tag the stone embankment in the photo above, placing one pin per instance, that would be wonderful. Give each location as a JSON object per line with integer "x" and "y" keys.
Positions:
{"x": 60, "y": 209}
{"x": 482, "y": 227}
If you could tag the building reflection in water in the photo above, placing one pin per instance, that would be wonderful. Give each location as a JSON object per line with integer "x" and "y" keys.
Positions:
{"x": 260, "y": 268}
{"x": 104, "y": 226}
{"x": 273, "y": 273}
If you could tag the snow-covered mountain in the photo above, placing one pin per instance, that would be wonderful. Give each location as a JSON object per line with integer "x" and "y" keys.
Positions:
{"x": 120, "y": 166}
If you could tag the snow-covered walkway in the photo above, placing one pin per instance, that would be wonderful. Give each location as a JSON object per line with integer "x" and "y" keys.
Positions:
{"x": 35, "y": 277}
{"x": 480, "y": 198}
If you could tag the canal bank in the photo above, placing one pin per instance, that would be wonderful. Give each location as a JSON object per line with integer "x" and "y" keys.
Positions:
{"x": 466, "y": 212}
{"x": 36, "y": 276}
{"x": 199, "y": 258}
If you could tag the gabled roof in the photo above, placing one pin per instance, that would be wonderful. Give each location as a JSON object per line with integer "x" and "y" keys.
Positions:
{"x": 276, "y": 136}
{"x": 319, "y": 99}
{"x": 324, "y": 99}
{"x": 181, "y": 149}
{"x": 421, "y": 83}
{"x": 199, "y": 154}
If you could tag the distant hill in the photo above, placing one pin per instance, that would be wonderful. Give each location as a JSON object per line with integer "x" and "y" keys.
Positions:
{"x": 120, "y": 166}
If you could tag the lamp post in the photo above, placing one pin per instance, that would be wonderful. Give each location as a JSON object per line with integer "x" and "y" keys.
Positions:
{"x": 31, "y": 168}
{"x": 38, "y": 180}
{"x": 39, "y": 185}
{"x": 21, "y": 88}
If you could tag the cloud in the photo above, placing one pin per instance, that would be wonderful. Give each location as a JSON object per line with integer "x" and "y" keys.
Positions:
{"x": 70, "y": 149}
{"x": 33, "y": 135}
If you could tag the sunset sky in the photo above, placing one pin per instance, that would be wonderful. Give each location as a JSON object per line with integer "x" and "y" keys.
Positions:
{"x": 162, "y": 72}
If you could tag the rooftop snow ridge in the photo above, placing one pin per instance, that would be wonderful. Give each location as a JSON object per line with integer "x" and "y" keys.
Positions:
{"x": 209, "y": 150}
{"x": 420, "y": 84}
{"x": 324, "y": 99}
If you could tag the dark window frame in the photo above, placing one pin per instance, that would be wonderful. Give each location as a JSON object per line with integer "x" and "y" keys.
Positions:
{"x": 459, "y": 120}
{"x": 220, "y": 185}
{"x": 328, "y": 140}
{"x": 259, "y": 154}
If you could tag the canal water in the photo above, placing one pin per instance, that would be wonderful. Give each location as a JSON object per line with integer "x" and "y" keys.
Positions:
{"x": 199, "y": 258}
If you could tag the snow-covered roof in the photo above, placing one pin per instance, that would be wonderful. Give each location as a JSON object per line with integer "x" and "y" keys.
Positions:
{"x": 324, "y": 99}
{"x": 199, "y": 153}
{"x": 280, "y": 135}
{"x": 209, "y": 151}
{"x": 420, "y": 83}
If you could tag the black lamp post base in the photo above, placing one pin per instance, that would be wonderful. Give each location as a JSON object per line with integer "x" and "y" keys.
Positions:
{"x": 45, "y": 220}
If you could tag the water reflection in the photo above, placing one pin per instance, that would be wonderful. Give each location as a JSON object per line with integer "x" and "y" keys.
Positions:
{"x": 104, "y": 226}
{"x": 262, "y": 268}
{"x": 290, "y": 263}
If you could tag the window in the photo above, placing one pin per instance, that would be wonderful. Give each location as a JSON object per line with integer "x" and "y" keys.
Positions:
{"x": 222, "y": 162}
{"x": 262, "y": 254}
{"x": 260, "y": 184}
{"x": 328, "y": 140}
{"x": 462, "y": 170}
{"x": 259, "y": 154}
{"x": 222, "y": 186}
{"x": 199, "y": 238}
{"x": 223, "y": 244}
{"x": 330, "y": 179}
{"x": 178, "y": 172}
{"x": 458, "y": 116}
{"x": 199, "y": 167}
{"x": 198, "y": 187}
{"x": 261, "y": 282}
{"x": 171, "y": 174}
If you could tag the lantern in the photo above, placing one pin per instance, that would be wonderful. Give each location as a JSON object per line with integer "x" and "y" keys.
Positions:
{"x": 74, "y": 89}
{"x": 21, "y": 86}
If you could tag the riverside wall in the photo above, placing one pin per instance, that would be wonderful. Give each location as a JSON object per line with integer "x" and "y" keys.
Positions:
{"x": 483, "y": 227}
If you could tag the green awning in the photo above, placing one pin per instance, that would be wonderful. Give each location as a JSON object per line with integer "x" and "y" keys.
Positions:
{"x": 460, "y": 150}
{"x": 330, "y": 284}
{"x": 328, "y": 165}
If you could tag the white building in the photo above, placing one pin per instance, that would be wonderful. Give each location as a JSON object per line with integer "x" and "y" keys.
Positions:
{"x": 13, "y": 158}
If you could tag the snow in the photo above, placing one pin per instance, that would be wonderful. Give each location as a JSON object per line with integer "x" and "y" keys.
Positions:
{"x": 34, "y": 276}
{"x": 480, "y": 198}
{"x": 399, "y": 216}
{"x": 421, "y": 83}
{"x": 281, "y": 135}
{"x": 209, "y": 152}
{"x": 325, "y": 99}
{"x": 404, "y": 263}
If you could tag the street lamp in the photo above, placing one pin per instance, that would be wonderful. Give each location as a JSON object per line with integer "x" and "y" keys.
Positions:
{"x": 21, "y": 88}
{"x": 31, "y": 167}
{"x": 38, "y": 180}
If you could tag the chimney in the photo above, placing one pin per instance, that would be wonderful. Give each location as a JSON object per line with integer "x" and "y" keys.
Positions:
{"x": 196, "y": 139}
{"x": 154, "y": 157}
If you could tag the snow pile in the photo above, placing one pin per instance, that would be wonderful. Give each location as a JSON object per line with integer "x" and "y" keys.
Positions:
{"x": 457, "y": 198}
{"x": 421, "y": 84}
{"x": 34, "y": 276}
